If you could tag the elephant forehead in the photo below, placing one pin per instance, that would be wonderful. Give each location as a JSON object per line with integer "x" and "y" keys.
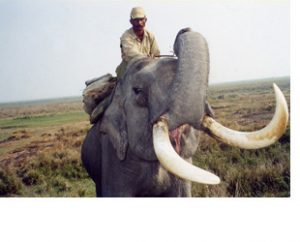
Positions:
{"x": 151, "y": 67}
{"x": 147, "y": 73}
{"x": 161, "y": 66}
{"x": 160, "y": 70}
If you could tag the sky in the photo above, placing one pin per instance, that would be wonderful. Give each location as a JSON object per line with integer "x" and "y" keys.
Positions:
{"x": 49, "y": 48}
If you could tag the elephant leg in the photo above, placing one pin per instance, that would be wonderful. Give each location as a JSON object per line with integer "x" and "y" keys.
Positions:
{"x": 116, "y": 182}
{"x": 98, "y": 190}
{"x": 118, "y": 178}
{"x": 186, "y": 190}
{"x": 91, "y": 157}
{"x": 180, "y": 188}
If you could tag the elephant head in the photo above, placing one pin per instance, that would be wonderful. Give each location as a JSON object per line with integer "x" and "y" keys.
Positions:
{"x": 163, "y": 96}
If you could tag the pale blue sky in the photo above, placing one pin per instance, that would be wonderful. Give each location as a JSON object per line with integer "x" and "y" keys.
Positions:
{"x": 48, "y": 48}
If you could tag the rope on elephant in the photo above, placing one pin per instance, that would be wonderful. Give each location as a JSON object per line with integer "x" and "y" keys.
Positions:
{"x": 96, "y": 95}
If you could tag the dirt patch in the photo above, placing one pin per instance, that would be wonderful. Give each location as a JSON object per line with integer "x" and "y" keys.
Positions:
{"x": 9, "y": 139}
{"x": 16, "y": 135}
{"x": 22, "y": 154}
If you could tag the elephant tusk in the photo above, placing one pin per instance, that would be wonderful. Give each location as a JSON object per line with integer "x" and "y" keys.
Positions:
{"x": 172, "y": 162}
{"x": 256, "y": 139}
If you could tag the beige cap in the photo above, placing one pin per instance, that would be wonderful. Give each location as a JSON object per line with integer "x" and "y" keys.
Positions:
{"x": 137, "y": 12}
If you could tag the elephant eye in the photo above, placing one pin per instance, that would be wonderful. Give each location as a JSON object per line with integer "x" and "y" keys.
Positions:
{"x": 137, "y": 90}
{"x": 140, "y": 97}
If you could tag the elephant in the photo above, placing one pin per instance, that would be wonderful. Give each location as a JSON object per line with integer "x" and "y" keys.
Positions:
{"x": 128, "y": 151}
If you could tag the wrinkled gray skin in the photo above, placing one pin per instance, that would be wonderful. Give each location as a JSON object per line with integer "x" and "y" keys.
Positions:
{"x": 118, "y": 151}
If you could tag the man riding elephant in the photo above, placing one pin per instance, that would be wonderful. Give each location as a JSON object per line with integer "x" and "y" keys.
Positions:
{"x": 136, "y": 41}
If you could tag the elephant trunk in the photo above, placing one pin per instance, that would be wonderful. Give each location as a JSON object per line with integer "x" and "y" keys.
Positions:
{"x": 188, "y": 90}
{"x": 187, "y": 105}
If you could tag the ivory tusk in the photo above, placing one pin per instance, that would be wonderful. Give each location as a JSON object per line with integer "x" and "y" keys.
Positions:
{"x": 172, "y": 162}
{"x": 256, "y": 139}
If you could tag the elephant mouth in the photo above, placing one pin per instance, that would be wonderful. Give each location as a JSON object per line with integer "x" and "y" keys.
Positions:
{"x": 171, "y": 160}
{"x": 175, "y": 137}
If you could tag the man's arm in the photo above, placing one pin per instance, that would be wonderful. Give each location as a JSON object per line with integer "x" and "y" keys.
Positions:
{"x": 129, "y": 49}
{"x": 154, "y": 48}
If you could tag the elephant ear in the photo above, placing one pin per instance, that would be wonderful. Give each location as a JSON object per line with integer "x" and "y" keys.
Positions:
{"x": 114, "y": 124}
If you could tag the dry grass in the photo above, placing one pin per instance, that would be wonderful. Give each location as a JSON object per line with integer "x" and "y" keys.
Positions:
{"x": 245, "y": 173}
{"x": 40, "y": 150}
{"x": 44, "y": 161}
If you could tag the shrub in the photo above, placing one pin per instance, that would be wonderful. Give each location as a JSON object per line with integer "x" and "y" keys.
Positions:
{"x": 31, "y": 178}
{"x": 61, "y": 185}
{"x": 8, "y": 184}
{"x": 256, "y": 173}
{"x": 81, "y": 192}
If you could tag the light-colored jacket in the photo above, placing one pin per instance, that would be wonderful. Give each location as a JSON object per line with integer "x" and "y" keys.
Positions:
{"x": 132, "y": 46}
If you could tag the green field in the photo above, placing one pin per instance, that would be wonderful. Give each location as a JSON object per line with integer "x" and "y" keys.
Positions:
{"x": 40, "y": 146}
{"x": 43, "y": 120}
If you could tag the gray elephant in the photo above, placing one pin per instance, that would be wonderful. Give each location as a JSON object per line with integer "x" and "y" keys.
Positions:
{"x": 129, "y": 153}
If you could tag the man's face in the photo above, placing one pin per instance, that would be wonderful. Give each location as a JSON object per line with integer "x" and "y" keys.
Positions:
{"x": 138, "y": 24}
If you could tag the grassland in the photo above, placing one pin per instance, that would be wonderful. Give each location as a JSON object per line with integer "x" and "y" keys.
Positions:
{"x": 40, "y": 146}
{"x": 40, "y": 150}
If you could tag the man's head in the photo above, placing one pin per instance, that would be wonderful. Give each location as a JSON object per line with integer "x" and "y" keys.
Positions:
{"x": 138, "y": 18}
